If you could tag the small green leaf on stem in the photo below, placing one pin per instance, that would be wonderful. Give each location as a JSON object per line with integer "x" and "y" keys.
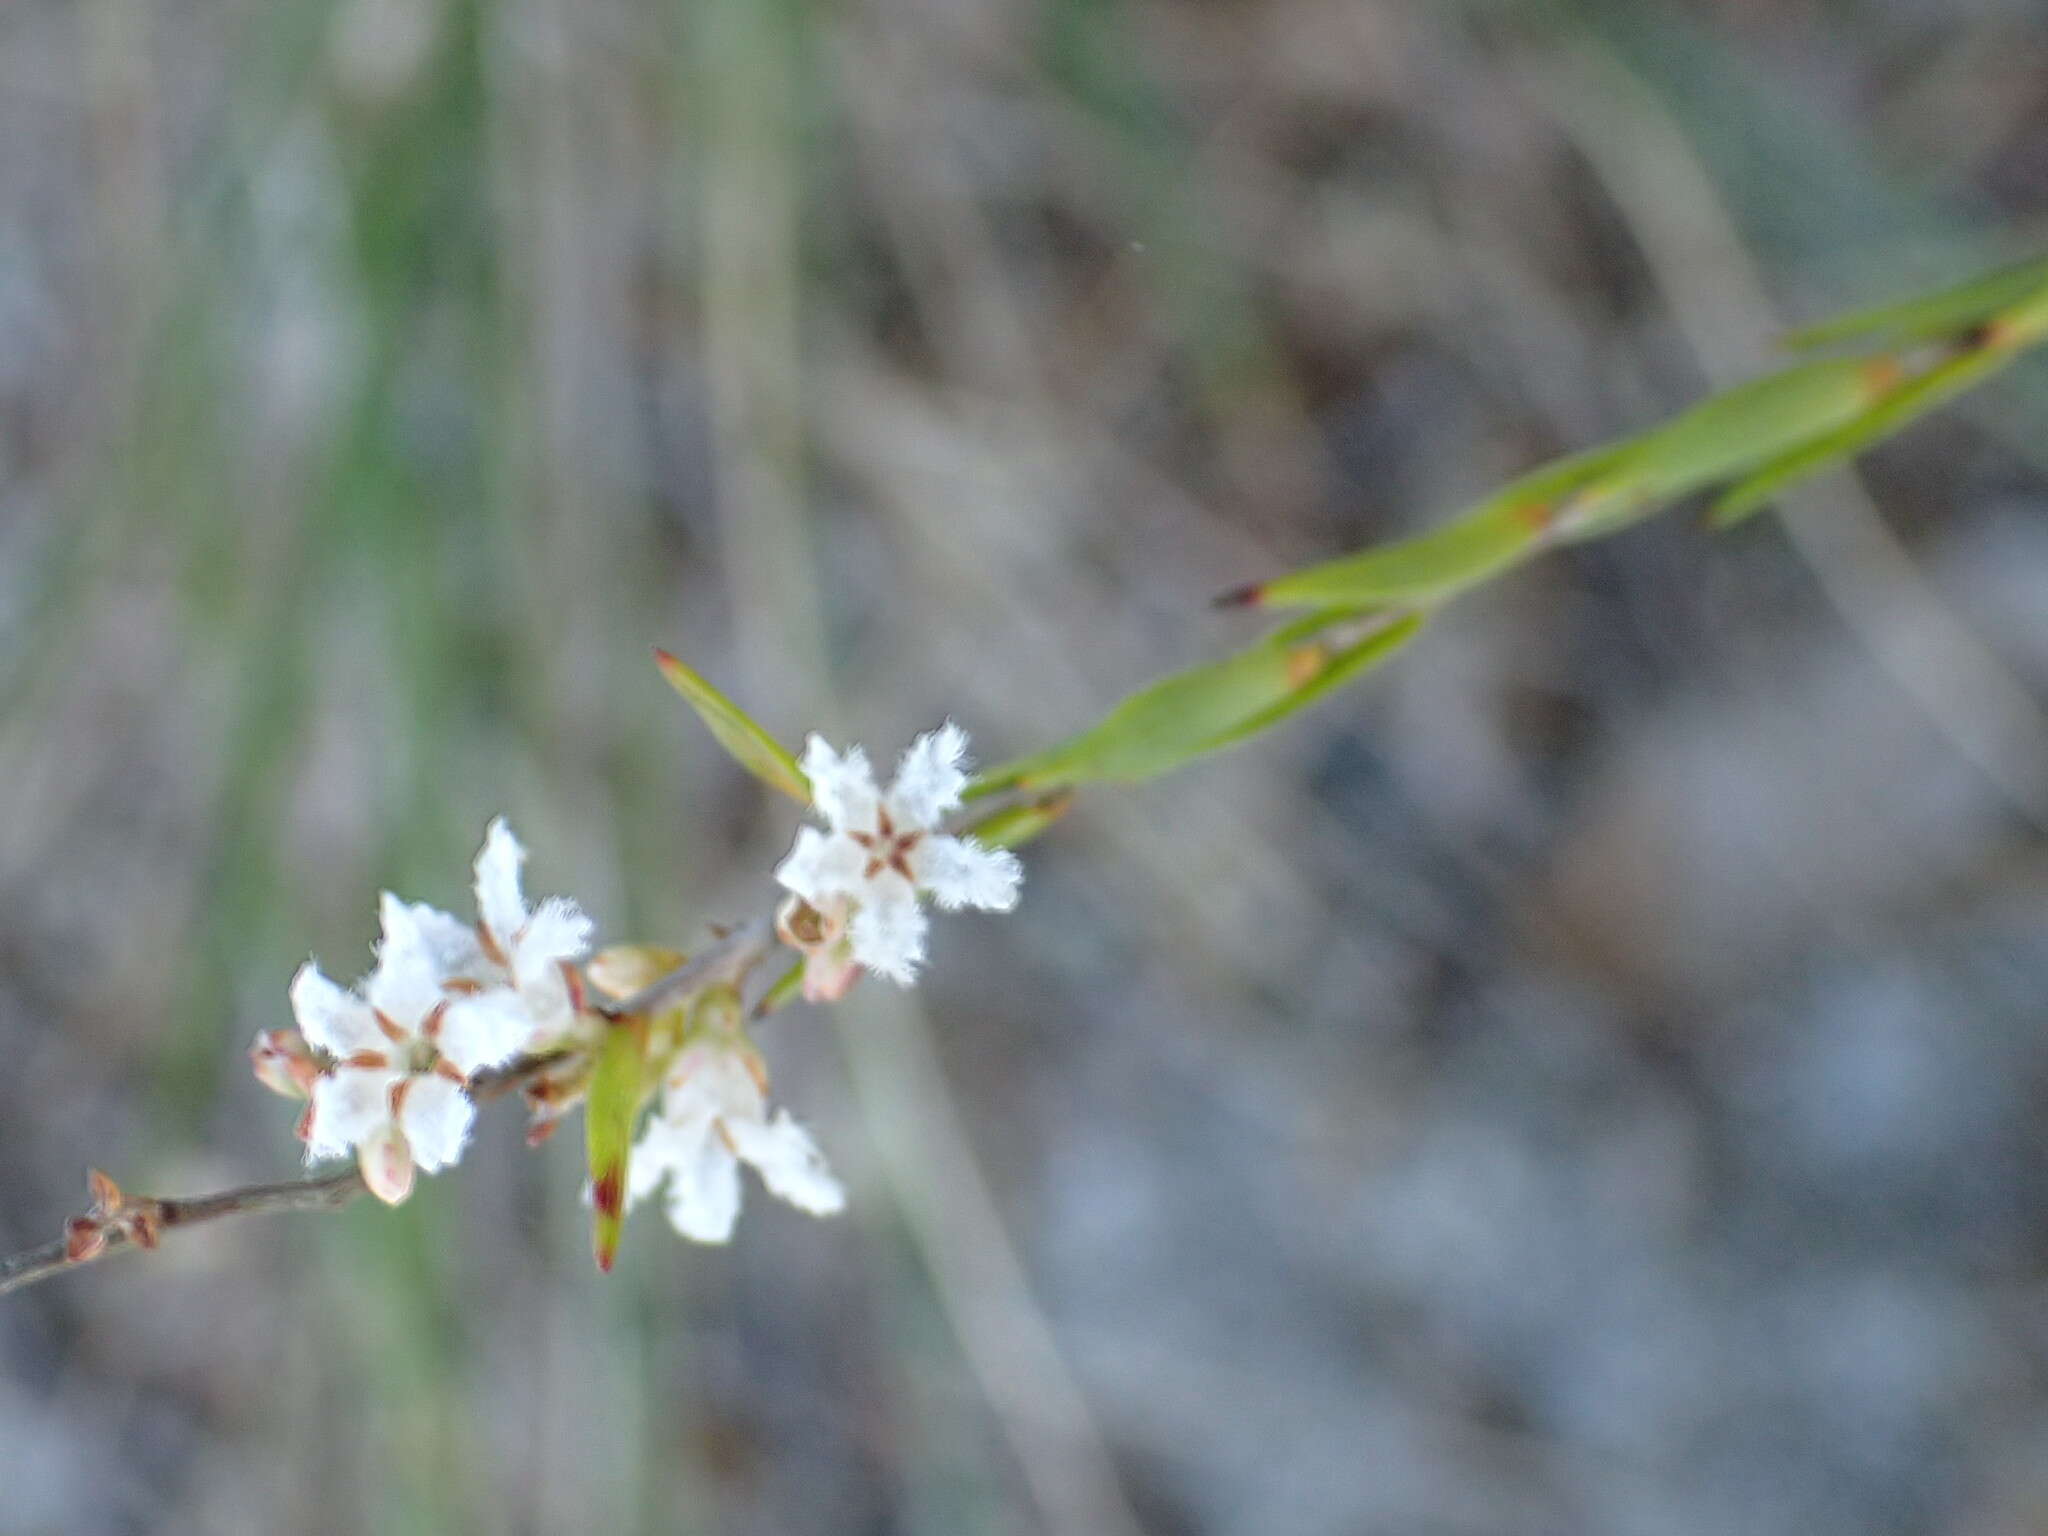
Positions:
{"x": 1481, "y": 543}
{"x": 1936, "y": 316}
{"x": 1910, "y": 400}
{"x": 1015, "y": 825}
{"x": 751, "y": 746}
{"x": 1730, "y": 435}
{"x": 787, "y": 988}
{"x": 1209, "y": 707}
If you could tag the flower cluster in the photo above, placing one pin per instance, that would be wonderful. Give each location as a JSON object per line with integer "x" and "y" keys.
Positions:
{"x": 389, "y": 1066}
{"x": 386, "y": 1065}
{"x": 855, "y": 885}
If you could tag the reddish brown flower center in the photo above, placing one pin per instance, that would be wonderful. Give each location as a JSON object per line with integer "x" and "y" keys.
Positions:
{"x": 887, "y": 848}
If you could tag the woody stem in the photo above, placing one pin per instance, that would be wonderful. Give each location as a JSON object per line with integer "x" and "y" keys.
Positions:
{"x": 328, "y": 1192}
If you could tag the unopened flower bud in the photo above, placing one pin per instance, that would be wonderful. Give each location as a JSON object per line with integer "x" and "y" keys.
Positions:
{"x": 620, "y": 970}
{"x": 818, "y": 933}
{"x": 83, "y": 1239}
{"x": 551, "y": 1093}
{"x": 803, "y": 927}
{"x": 385, "y": 1158}
{"x": 284, "y": 1063}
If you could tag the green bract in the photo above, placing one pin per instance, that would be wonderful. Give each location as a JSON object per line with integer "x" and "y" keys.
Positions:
{"x": 618, "y": 1087}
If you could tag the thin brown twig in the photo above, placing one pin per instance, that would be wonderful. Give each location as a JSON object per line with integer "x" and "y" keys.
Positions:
{"x": 327, "y": 1192}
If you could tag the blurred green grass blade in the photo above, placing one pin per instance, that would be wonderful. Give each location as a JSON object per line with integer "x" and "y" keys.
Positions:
{"x": 1429, "y": 567}
{"x": 617, "y": 1085}
{"x": 1934, "y": 316}
{"x": 1208, "y": 707}
{"x": 1727, "y": 436}
{"x": 751, "y": 746}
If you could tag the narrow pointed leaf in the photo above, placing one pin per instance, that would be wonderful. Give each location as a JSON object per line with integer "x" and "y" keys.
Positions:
{"x": 1730, "y": 435}
{"x": 1479, "y": 544}
{"x": 1914, "y": 399}
{"x": 751, "y": 746}
{"x": 1209, "y": 707}
{"x": 618, "y": 1086}
{"x": 1321, "y": 669}
{"x": 787, "y": 988}
{"x": 1933, "y": 316}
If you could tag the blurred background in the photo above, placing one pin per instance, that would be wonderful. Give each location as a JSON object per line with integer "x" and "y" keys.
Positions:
{"x": 1587, "y": 1079}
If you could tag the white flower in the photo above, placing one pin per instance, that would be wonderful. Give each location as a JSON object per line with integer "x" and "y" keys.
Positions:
{"x": 446, "y": 1000}
{"x": 524, "y": 950}
{"x": 392, "y": 1094}
{"x": 883, "y": 849}
{"x": 714, "y": 1116}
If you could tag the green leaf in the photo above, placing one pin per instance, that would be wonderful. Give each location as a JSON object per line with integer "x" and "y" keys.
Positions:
{"x": 1015, "y": 825}
{"x": 1482, "y": 542}
{"x": 1210, "y": 707}
{"x": 1934, "y": 316}
{"x": 751, "y": 746}
{"x": 1728, "y": 435}
{"x": 787, "y": 988}
{"x": 1911, "y": 400}
{"x": 618, "y": 1086}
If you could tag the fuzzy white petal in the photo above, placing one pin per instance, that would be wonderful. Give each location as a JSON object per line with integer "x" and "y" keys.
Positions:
{"x": 404, "y": 987}
{"x": 435, "y": 1115}
{"x": 704, "y": 1196}
{"x": 929, "y": 778}
{"x": 655, "y": 1153}
{"x": 711, "y": 1081}
{"x": 842, "y": 788}
{"x": 960, "y": 872}
{"x": 550, "y": 1004}
{"x": 556, "y": 931}
{"x": 332, "y": 1018}
{"x": 703, "y": 1177}
{"x": 822, "y": 865}
{"x": 887, "y": 936}
{"x": 350, "y": 1104}
{"x": 485, "y": 1028}
{"x": 450, "y": 944}
{"x": 498, "y": 899}
{"x": 789, "y": 1162}
{"x": 729, "y": 1087}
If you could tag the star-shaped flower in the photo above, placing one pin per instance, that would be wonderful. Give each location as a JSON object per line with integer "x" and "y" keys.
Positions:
{"x": 713, "y": 1117}
{"x": 393, "y": 1094}
{"x": 881, "y": 850}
